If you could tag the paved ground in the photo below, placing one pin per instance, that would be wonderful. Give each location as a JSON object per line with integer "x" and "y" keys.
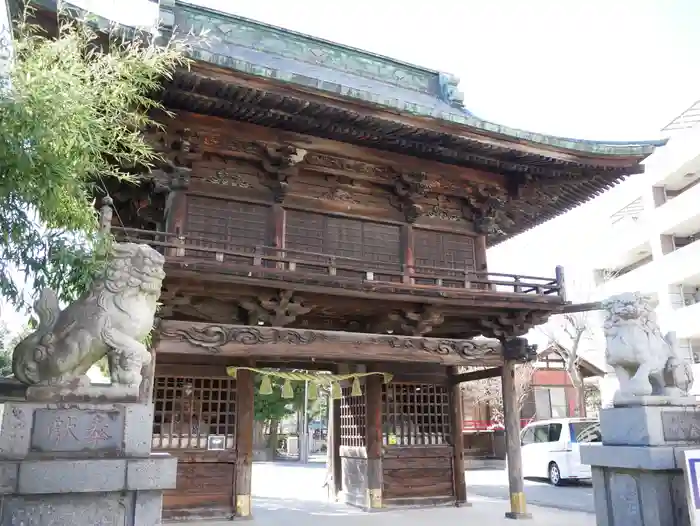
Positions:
{"x": 288, "y": 494}
{"x": 494, "y": 484}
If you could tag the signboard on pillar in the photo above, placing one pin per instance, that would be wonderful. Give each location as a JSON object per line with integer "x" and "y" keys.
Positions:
{"x": 692, "y": 484}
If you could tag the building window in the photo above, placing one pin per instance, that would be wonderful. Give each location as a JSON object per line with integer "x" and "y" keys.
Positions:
{"x": 550, "y": 402}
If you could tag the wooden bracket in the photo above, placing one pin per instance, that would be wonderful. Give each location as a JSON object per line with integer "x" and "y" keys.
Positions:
{"x": 406, "y": 189}
{"x": 280, "y": 164}
{"x": 417, "y": 322}
{"x": 276, "y": 310}
{"x": 511, "y": 325}
{"x": 485, "y": 207}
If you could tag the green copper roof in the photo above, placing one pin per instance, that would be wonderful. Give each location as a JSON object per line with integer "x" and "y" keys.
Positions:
{"x": 268, "y": 51}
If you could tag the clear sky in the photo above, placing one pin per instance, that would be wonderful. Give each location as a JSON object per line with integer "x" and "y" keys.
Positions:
{"x": 595, "y": 69}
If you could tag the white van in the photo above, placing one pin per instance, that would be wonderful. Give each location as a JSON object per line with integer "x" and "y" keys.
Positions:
{"x": 550, "y": 448}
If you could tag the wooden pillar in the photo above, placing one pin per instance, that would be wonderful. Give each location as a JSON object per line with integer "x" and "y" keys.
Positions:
{"x": 480, "y": 253}
{"x": 460, "y": 485}
{"x": 333, "y": 449}
{"x": 175, "y": 217}
{"x": 278, "y": 225}
{"x": 245, "y": 401}
{"x": 408, "y": 254}
{"x": 512, "y": 424}
{"x": 373, "y": 387}
{"x": 335, "y": 445}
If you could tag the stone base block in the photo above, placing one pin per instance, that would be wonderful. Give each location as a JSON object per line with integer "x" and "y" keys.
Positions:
{"x": 650, "y": 425}
{"x": 44, "y": 477}
{"x": 132, "y": 508}
{"x": 638, "y": 486}
{"x": 80, "y": 429}
{"x": 81, "y": 464}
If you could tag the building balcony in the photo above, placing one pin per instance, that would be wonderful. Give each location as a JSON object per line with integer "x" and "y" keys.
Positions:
{"x": 680, "y": 267}
{"x": 685, "y": 321}
{"x": 642, "y": 279}
{"x": 679, "y": 157}
{"x": 624, "y": 244}
{"x": 190, "y": 258}
{"x": 679, "y": 215}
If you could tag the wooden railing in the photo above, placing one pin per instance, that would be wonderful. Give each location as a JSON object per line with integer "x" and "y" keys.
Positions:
{"x": 194, "y": 249}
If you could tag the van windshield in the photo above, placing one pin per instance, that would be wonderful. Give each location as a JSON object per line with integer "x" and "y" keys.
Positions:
{"x": 585, "y": 432}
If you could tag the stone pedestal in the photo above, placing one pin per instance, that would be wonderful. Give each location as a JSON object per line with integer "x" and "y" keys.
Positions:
{"x": 81, "y": 464}
{"x": 638, "y": 470}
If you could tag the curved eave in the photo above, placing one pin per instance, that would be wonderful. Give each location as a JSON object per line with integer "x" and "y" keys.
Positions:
{"x": 283, "y": 55}
{"x": 376, "y": 91}
{"x": 442, "y": 113}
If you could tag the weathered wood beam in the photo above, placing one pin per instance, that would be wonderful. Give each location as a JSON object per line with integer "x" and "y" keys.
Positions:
{"x": 481, "y": 374}
{"x": 581, "y": 307}
{"x": 242, "y": 341}
{"x": 213, "y": 272}
{"x": 244, "y": 131}
{"x": 286, "y": 89}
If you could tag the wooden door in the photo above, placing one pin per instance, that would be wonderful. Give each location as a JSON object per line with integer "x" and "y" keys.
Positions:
{"x": 194, "y": 420}
{"x": 358, "y": 245}
{"x": 226, "y": 225}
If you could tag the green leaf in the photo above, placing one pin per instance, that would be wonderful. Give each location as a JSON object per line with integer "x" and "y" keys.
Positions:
{"x": 70, "y": 120}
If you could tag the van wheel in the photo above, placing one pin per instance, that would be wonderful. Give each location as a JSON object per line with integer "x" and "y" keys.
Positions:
{"x": 554, "y": 474}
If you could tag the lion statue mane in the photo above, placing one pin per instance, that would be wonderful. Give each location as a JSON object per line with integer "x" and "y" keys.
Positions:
{"x": 645, "y": 361}
{"x": 113, "y": 318}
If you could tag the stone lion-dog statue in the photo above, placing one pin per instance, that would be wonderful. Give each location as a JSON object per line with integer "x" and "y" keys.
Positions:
{"x": 645, "y": 361}
{"x": 113, "y": 318}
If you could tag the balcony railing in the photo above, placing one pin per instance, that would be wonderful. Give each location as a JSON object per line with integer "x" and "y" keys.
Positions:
{"x": 195, "y": 250}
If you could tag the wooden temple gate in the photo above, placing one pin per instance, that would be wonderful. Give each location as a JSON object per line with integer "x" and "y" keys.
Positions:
{"x": 395, "y": 443}
{"x": 337, "y": 219}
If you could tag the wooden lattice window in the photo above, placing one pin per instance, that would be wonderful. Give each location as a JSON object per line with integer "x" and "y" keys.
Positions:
{"x": 194, "y": 413}
{"x": 443, "y": 250}
{"x": 374, "y": 246}
{"x": 226, "y": 225}
{"x": 353, "y": 419}
{"x": 415, "y": 414}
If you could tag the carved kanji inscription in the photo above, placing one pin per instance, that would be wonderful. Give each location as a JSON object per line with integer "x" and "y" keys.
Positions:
{"x": 73, "y": 430}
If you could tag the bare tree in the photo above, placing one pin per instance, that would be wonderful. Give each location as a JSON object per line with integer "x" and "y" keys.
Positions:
{"x": 569, "y": 334}
{"x": 488, "y": 391}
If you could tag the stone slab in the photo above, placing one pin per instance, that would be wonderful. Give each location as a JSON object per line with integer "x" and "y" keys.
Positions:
{"x": 105, "y": 509}
{"x": 15, "y": 430}
{"x": 78, "y": 430}
{"x": 71, "y": 476}
{"x": 630, "y": 457}
{"x": 9, "y": 473}
{"x": 148, "y": 508}
{"x": 620, "y": 400}
{"x": 78, "y": 393}
{"x": 626, "y": 497}
{"x": 157, "y": 472}
{"x": 650, "y": 425}
{"x": 138, "y": 429}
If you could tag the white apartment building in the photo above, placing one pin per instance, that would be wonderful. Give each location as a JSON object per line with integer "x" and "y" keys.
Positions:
{"x": 652, "y": 243}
